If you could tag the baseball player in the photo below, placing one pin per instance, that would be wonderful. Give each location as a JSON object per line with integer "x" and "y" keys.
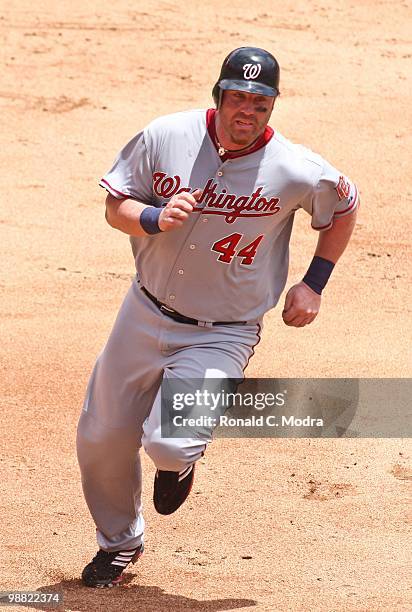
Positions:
{"x": 208, "y": 199}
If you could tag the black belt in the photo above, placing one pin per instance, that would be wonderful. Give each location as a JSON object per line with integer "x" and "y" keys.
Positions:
{"x": 169, "y": 312}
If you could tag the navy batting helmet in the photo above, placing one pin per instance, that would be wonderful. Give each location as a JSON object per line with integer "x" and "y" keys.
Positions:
{"x": 248, "y": 69}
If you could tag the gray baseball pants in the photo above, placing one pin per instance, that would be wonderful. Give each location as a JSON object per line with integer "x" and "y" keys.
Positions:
{"x": 121, "y": 410}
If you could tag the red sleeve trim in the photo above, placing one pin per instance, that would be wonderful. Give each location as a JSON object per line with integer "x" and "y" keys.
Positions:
{"x": 322, "y": 227}
{"x": 123, "y": 195}
{"x": 350, "y": 207}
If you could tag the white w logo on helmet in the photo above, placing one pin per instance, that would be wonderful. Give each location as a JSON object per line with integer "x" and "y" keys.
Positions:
{"x": 251, "y": 71}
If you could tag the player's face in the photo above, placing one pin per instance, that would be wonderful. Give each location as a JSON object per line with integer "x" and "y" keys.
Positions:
{"x": 242, "y": 117}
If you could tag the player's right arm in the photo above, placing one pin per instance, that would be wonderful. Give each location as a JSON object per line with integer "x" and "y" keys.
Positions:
{"x": 124, "y": 214}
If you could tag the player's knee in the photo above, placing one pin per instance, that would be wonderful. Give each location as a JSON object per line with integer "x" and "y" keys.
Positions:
{"x": 94, "y": 440}
{"x": 164, "y": 455}
{"x": 171, "y": 456}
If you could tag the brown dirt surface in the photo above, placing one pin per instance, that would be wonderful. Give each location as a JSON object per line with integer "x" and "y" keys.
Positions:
{"x": 287, "y": 524}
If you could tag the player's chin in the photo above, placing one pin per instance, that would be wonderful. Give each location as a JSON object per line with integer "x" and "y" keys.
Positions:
{"x": 243, "y": 140}
{"x": 243, "y": 137}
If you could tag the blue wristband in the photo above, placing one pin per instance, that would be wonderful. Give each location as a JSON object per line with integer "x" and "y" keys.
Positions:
{"x": 318, "y": 273}
{"x": 149, "y": 219}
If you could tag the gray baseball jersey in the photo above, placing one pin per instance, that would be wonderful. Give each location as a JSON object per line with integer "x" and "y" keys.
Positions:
{"x": 229, "y": 260}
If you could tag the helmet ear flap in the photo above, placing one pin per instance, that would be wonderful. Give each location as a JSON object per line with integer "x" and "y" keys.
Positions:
{"x": 216, "y": 91}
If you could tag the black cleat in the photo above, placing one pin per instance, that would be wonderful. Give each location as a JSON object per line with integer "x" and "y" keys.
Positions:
{"x": 171, "y": 489}
{"x": 107, "y": 568}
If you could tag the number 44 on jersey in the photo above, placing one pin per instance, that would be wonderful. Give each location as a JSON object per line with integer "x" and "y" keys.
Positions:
{"x": 227, "y": 247}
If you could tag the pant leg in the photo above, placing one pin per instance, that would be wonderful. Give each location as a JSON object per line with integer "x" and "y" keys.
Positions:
{"x": 217, "y": 353}
{"x": 120, "y": 395}
{"x": 111, "y": 479}
{"x": 169, "y": 454}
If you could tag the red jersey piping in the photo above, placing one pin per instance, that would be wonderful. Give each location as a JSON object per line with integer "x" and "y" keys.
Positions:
{"x": 124, "y": 195}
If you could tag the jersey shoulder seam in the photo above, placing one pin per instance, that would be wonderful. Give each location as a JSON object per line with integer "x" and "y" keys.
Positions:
{"x": 298, "y": 149}
{"x": 171, "y": 116}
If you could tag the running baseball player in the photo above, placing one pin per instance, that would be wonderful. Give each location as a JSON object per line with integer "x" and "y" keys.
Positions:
{"x": 208, "y": 199}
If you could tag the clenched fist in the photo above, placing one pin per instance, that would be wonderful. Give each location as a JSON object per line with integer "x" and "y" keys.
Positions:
{"x": 177, "y": 210}
{"x": 301, "y": 305}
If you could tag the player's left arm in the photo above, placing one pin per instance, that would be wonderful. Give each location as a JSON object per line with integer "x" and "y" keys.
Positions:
{"x": 302, "y": 303}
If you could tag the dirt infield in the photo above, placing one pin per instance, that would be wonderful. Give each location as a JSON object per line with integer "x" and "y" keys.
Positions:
{"x": 279, "y": 525}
